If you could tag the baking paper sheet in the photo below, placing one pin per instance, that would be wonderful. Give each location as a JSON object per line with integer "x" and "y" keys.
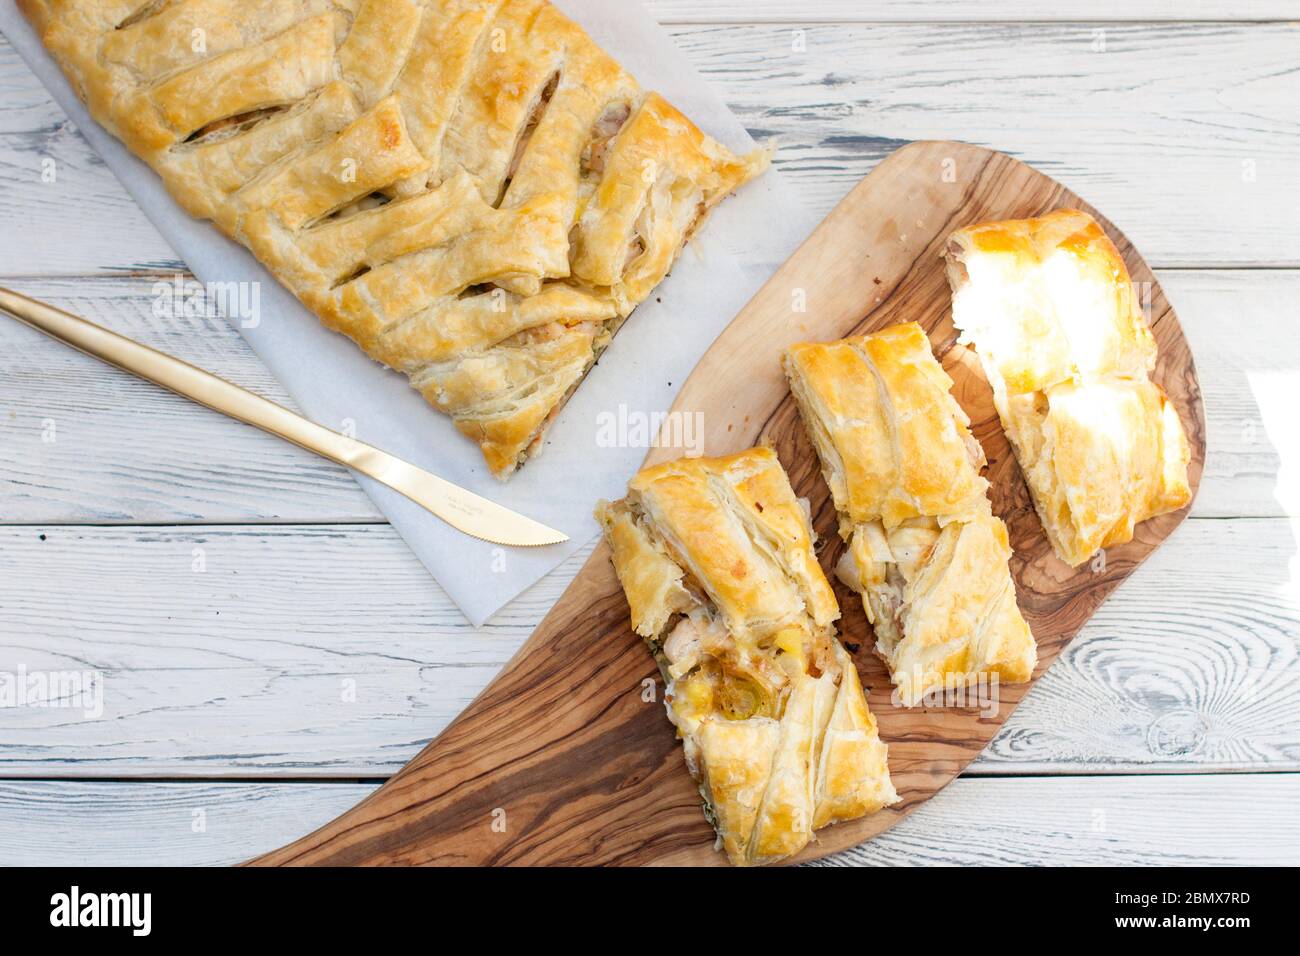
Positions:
{"x": 334, "y": 383}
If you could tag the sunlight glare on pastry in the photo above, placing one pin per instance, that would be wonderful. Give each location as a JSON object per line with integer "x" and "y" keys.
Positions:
{"x": 1069, "y": 362}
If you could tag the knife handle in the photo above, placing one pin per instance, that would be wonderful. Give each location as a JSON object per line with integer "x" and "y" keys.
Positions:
{"x": 193, "y": 383}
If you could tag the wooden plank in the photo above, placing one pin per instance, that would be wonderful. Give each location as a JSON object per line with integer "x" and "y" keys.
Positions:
{"x": 1168, "y": 112}
{"x": 1192, "y": 664}
{"x": 1244, "y": 330}
{"x": 190, "y": 464}
{"x": 241, "y": 669}
{"x": 1090, "y": 821}
{"x": 290, "y": 651}
{"x": 82, "y": 221}
{"x": 58, "y": 823}
{"x": 1120, "y": 821}
{"x": 83, "y": 442}
{"x": 955, "y": 11}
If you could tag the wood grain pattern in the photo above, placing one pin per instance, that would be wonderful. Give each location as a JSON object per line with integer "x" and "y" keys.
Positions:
{"x": 1192, "y": 666}
{"x": 1118, "y": 114}
{"x": 561, "y": 752}
{"x": 1120, "y": 821}
{"x": 85, "y": 443}
{"x": 1098, "y": 821}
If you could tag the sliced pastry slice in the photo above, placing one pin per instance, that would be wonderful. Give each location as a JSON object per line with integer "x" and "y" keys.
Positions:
{"x": 924, "y": 549}
{"x": 472, "y": 190}
{"x": 716, "y": 558}
{"x": 1049, "y": 307}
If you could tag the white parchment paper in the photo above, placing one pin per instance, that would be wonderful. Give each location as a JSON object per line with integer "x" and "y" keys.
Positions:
{"x": 333, "y": 382}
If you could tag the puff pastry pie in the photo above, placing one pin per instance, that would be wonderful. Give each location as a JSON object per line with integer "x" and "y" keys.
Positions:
{"x": 472, "y": 190}
{"x": 924, "y": 549}
{"x": 716, "y": 557}
{"x": 1049, "y": 306}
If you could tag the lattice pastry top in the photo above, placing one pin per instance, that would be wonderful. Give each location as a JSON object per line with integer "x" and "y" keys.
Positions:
{"x": 472, "y": 190}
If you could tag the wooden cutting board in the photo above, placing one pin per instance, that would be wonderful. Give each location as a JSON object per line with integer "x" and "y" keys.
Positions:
{"x": 563, "y": 759}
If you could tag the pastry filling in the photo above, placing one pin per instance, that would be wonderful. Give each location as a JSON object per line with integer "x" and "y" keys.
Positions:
{"x": 603, "y": 134}
{"x": 526, "y": 134}
{"x": 144, "y": 12}
{"x": 232, "y": 126}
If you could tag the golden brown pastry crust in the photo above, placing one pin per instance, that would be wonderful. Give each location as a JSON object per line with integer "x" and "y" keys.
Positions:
{"x": 716, "y": 558}
{"x": 1049, "y": 307}
{"x": 471, "y": 190}
{"x": 925, "y": 552}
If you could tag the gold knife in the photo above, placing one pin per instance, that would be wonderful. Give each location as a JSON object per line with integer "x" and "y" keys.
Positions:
{"x": 461, "y": 509}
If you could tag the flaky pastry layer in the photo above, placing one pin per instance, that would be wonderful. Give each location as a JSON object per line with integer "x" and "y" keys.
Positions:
{"x": 471, "y": 190}
{"x": 924, "y": 550}
{"x": 716, "y": 558}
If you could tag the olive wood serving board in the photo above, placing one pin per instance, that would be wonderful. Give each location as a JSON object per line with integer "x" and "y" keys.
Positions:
{"x": 562, "y": 759}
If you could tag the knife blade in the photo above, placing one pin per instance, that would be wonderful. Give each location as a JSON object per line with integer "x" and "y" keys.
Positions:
{"x": 463, "y": 510}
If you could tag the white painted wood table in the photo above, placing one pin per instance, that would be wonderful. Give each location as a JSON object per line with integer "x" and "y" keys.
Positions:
{"x": 270, "y": 651}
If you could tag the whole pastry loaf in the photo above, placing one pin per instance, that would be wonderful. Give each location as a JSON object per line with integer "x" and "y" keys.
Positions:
{"x": 924, "y": 549}
{"x": 716, "y": 558}
{"x": 1049, "y": 306}
{"x": 471, "y": 190}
